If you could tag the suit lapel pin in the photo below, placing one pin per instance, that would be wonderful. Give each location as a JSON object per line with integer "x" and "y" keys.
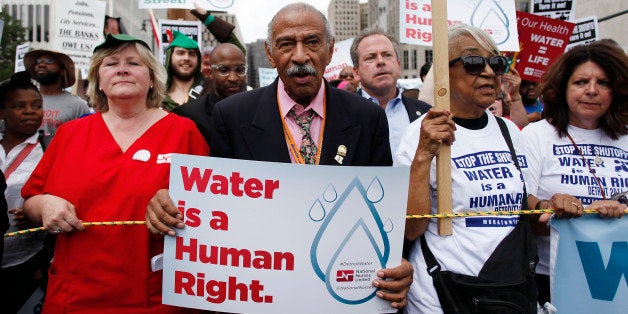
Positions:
{"x": 341, "y": 153}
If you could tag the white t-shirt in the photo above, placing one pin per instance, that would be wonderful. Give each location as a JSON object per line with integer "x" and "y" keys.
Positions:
{"x": 555, "y": 166}
{"x": 484, "y": 178}
{"x": 19, "y": 249}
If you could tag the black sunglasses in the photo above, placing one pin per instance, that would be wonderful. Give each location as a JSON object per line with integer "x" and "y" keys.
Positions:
{"x": 474, "y": 65}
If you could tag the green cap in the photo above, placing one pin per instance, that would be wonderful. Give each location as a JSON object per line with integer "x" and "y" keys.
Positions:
{"x": 117, "y": 40}
{"x": 180, "y": 40}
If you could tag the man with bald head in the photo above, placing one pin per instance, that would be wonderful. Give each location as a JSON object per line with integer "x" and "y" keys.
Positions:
{"x": 227, "y": 73}
{"x": 269, "y": 123}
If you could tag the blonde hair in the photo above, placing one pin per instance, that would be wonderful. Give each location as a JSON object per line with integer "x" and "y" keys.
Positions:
{"x": 157, "y": 74}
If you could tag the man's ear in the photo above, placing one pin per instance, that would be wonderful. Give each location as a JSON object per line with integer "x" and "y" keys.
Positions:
{"x": 268, "y": 55}
{"x": 330, "y": 53}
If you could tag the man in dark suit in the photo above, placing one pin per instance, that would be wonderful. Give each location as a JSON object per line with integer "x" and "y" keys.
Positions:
{"x": 375, "y": 56}
{"x": 263, "y": 124}
{"x": 228, "y": 77}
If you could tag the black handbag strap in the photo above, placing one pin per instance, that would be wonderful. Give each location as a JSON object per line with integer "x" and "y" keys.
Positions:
{"x": 433, "y": 267}
{"x": 513, "y": 154}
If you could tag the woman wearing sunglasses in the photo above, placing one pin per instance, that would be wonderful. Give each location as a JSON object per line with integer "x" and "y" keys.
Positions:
{"x": 484, "y": 177}
{"x": 581, "y": 148}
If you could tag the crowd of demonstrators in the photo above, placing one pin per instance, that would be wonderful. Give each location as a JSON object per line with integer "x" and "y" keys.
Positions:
{"x": 54, "y": 72}
{"x": 21, "y": 108}
{"x": 375, "y": 56}
{"x": 250, "y": 125}
{"x": 90, "y": 173}
{"x": 227, "y": 75}
{"x": 585, "y": 94}
{"x": 475, "y": 68}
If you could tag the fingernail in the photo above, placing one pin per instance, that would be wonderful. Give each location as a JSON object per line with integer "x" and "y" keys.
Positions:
{"x": 180, "y": 225}
{"x": 380, "y": 294}
{"x": 172, "y": 233}
{"x": 380, "y": 274}
{"x": 376, "y": 283}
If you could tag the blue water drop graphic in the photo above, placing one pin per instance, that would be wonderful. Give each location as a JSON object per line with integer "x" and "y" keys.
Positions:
{"x": 375, "y": 191}
{"x": 330, "y": 194}
{"x": 334, "y": 246}
{"x": 389, "y": 226}
{"x": 489, "y": 15}
{"x": 317, "y": 211}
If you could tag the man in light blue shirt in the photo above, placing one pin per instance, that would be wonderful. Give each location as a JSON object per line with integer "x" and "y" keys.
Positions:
{"x": 375, "y": 56}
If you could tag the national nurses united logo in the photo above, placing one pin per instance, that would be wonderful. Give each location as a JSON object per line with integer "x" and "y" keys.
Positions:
{"x": 352, "y": 241}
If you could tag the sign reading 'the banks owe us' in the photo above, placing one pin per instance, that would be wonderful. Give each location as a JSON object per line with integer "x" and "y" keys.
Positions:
{"x": 266, "y": 237}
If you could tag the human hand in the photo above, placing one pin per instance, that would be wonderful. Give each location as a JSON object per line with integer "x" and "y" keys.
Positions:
{"x": 608, "y": 208}
{"x": 565, "y": 206}
{"x": 395, "y": 289}
{"x": 59, "y": 215}
{"x": 161, "y": 214}
{"x": 512, "y": 82}
{"x": 436, "y": 128}
{"x": 19, "y": 219}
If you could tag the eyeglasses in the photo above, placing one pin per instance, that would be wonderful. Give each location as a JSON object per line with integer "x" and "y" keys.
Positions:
{"x": 345, "y": 75}
{"x": 45, "y": 60}
{"x": 474, "y": 65}
{"x": 223, "y": 70}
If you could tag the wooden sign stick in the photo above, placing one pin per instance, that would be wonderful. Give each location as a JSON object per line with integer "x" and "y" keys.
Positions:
{"x": 441, "y": 100}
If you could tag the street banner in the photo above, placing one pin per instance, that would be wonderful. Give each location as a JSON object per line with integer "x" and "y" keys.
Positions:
{"x": 590, "y": 265}
{"x": 585, "y": 32}
{"x": 20, "y": 51}
{"x": 543, "y": 41}
{"x": 266, "y": 76}
{"x": 77, "y": 29}
{"x": 554, "y": 9}
{"x": 210, "y": 5}
{"x": 496, "y": 17}
{"x": 340, "y": 59}
{"x": 265, "y": 237}
{"x": 191, "y": 29}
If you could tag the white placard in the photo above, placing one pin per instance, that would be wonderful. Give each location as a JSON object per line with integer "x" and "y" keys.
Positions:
{"x": 265, "y": 237}
{"x": 210, "y": 5}
{"x": 496, "y": 17}
{"x": 340, "y": 59}
{"x": 78, "y": 29}
{"x": 20, "y": 51}
{"x": 266, "y": 76}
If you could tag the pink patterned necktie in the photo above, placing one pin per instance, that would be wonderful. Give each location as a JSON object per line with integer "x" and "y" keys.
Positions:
{"x": 308, "y": 147}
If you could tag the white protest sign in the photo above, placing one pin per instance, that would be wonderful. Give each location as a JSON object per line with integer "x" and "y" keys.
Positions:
{"x": 191, "y": 29}
{"x": 585, "y": 32}
{"x": 210, "y": 5}
{"x": 340, "y": 59}
{"x": 78, "y": 28}
{"x": 265, "y": 237}
{"x": 496, "y": 17}
{"x": 554, "y": 9}
{"x": 266, "y": 76}
{"x": 20, "y": 51}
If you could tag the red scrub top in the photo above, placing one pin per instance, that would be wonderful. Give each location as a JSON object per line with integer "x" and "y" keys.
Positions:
{"x": 107, "y": 269}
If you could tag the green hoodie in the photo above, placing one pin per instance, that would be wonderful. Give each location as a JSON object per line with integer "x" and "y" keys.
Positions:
{"x": 183, "y": 41}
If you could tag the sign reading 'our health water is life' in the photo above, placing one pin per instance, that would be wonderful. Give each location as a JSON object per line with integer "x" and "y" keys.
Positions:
{"x": 282, "y": 238}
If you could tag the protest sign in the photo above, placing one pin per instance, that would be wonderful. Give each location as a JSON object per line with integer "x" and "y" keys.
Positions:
{"x": 78, "y": 29}
{"x": 266, "y": 76}
{"x": 554, "y": 9}
{"x": 585, "y": 31}
{"x": 497, "y": 18}
{"x": 210, "y": 5}
{"x": 20, "y": 51}
{"x": 340, "y": 59}
{"x": 590, "y": 265}
{"x": 543, "y": 40}
{"x": 265, "y": 237}
{"x": 191, "y": 29}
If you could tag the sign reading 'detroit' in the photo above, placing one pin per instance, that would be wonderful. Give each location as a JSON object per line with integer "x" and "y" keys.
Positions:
{"x": 266, "y": 237}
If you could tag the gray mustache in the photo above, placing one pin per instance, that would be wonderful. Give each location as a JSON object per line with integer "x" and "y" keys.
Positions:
{"x": 301, "y": 69}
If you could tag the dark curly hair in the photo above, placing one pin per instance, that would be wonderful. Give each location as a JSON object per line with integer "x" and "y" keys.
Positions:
{"x": 19, "y": 80}
{"x": 613, "y": 61}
